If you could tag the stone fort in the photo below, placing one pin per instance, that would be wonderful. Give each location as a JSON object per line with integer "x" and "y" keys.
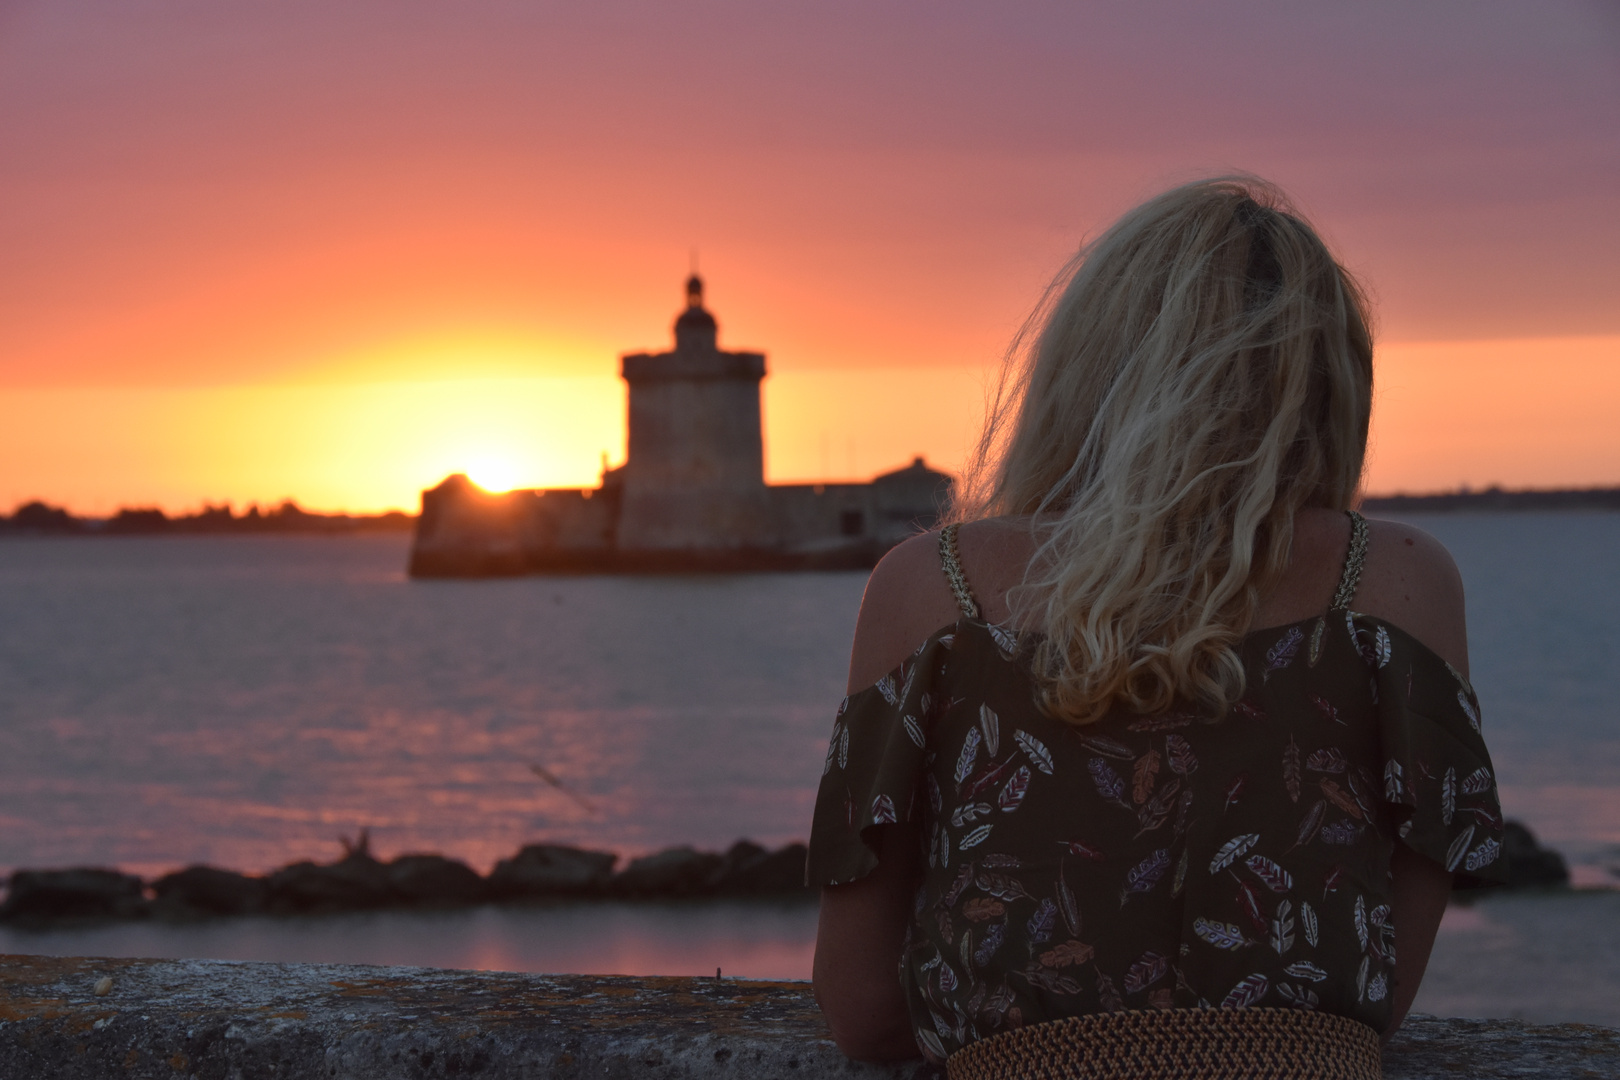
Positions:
{"x": 691, "y": 494}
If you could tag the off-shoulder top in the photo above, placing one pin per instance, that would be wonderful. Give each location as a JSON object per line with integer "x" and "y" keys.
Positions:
{"x": 1173, "y": 860}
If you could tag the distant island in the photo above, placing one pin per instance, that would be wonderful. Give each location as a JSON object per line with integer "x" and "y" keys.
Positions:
{"x": 1495, "y": 498}
{"x": 40, "y": 519}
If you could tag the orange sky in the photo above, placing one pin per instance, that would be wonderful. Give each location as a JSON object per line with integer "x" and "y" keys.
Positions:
{"x": 333, "y": 251}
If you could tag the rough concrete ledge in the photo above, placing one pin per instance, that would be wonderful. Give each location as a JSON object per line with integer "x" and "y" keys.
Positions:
{"x": 217, "y": 1019}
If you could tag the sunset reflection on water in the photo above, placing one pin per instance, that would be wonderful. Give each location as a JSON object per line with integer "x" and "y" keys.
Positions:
{"x": 743, "y": 940}
{"x": 247, "y": 702}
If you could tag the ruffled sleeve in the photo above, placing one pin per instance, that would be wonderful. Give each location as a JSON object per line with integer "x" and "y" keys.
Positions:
{"x": 875, "y": 764}
{"x": 1438, "y": 777}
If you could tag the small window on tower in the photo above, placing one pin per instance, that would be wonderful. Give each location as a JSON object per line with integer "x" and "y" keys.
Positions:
{"x": 852, "y": 523}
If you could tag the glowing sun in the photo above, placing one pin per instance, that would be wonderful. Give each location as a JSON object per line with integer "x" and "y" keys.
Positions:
{"x": 493, "y": 474}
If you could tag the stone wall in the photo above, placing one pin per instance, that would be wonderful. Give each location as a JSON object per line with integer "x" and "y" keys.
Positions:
{"x": 171, "y": 1019}
{"x": 880, "y": 514}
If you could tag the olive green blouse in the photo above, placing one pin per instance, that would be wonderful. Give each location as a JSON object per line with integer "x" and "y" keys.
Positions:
{"x": 1175, "y": 860}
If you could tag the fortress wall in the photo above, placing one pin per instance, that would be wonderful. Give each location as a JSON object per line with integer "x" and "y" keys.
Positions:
{"x": 175, "y": 1019}
{"x": 466, "y": 531}
{"x": 812, "y": 515}
{"x": 706, "y": 519}
{"x": 570, "y": 519}
{"x": 908, "y": 500}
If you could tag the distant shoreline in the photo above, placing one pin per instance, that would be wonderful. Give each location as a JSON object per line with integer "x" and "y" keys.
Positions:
{"x": 1496, "y": 499}
{"x": 42, "y": 519}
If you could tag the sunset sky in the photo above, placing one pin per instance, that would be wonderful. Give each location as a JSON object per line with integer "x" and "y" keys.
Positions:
{"x": 336, "y": 250}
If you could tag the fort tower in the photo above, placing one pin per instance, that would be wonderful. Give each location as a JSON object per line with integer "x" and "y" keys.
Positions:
{"x": 691, "y": 495}
{"x": 695, "y": 474}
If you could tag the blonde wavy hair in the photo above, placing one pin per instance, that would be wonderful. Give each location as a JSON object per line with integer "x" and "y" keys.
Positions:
{"x": 1194, "y": 377}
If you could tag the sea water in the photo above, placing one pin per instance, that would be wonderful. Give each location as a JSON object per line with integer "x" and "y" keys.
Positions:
{"x": 252, "y": 701}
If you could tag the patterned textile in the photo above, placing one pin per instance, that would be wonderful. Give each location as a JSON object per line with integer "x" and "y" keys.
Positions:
{"x": 1163, "y": 861}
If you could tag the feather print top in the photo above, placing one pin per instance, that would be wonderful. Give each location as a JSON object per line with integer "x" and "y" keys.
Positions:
{"x": 1172, "y": 860}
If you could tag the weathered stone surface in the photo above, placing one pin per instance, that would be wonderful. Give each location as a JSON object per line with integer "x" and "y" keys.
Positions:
{"x": 551, "y": 870}
{"x": 208, "y": 890}
{"x": 677, "y": 871}
{"x": 1429, "y": 1048}
{"x": 436, "y": 881}
{"x": 206, "y": 1018}
{"x": 174, "y": 1019}
{"x": 43, "y": 895}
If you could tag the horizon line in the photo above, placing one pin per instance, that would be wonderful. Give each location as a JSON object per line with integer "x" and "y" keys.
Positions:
{"x": 291, "y": 507}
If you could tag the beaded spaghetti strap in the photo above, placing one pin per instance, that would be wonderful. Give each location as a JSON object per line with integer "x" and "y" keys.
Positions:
{"x": 1353, "y": 560}
{"x": 951, "y": 560}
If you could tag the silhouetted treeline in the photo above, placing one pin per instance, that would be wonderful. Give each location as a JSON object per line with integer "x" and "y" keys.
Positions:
{"x": 1494, "y": 498}
{"x": 37, "y": 518}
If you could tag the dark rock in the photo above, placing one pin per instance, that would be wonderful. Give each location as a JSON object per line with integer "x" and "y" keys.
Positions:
{"x": 81, "y": 893}
{"x": 552, "y": 870}
{"x": 1526, "y": 863}
{"x": 436, "y": 880}
{"x": 1529, "y": 865}
{"x": 678, "y": 871}
{"x": 355, "y": 883}
{"x": 208, "y": 890}
{"x": 743, "y": 853}
{"x": 750, "y": 870}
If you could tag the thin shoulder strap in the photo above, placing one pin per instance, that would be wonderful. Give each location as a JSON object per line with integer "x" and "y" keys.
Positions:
{"x": 951, "y": 560}
{"x": 1353, "y": 560}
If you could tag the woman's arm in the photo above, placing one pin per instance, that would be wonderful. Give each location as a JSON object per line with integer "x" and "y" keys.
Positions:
{"x": 858, "y": 942}
{"x": 1422, "y": 887}
{"x": 863, "y": 924}
{"x": 1412, "y": 581}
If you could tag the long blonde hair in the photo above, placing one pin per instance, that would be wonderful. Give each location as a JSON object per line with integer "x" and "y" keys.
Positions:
{"x": 1194, "y": 377}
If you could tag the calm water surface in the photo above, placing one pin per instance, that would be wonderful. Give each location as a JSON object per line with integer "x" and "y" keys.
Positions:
{"x": 248, "y": 701}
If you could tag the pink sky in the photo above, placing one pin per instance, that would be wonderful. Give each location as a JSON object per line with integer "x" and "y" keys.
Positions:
{"x": 335, "y": 250}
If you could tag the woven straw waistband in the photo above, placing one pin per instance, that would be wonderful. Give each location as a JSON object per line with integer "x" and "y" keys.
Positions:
{"x": 1177, "y": 1044}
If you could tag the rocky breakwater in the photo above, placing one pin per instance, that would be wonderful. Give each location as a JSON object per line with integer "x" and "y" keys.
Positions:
{"x": 538, "y": 873}
{"x": 361, "y": 882}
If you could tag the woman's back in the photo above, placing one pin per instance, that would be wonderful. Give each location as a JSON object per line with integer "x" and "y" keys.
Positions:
{"x": 1116, "y": 793}
{"x": 1169, "y": 860}
{"x": 1408, "y": 578}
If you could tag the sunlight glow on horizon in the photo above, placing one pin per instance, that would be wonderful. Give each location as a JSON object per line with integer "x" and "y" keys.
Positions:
{"x": 1520, "y": 413}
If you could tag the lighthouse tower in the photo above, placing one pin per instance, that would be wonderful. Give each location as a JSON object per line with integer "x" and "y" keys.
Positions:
{"x": 695, "y": 474}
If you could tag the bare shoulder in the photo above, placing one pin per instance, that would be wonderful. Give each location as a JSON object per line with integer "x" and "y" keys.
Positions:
{"x": 1411, "y": 580}
{"x": 995, "y": 555}
{"x": 906, "y": 599}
